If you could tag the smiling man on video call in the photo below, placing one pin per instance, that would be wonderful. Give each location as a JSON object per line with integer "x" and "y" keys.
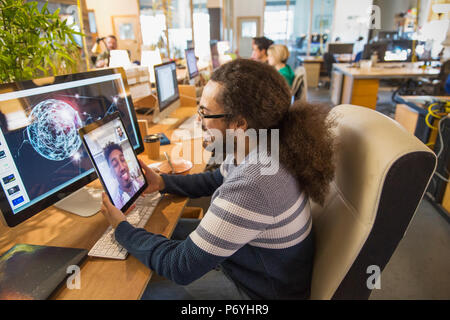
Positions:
{"x": 119, "y": 169}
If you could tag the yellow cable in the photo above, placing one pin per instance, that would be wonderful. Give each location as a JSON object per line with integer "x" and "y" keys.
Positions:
{"x": 430, "y": 110}
{"x": 428, "y": 123}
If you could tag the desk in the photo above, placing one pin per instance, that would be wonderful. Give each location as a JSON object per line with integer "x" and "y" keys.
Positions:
{"x": 351, "y": 85}
{"x": 312, "y": 66}
{"x": 100, "y": 278}
{"x": 411, "y": 113}
{"x": 315, "y": 65}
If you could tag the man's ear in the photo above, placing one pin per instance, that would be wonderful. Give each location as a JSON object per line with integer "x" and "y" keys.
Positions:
{"x": 240, "y": 123}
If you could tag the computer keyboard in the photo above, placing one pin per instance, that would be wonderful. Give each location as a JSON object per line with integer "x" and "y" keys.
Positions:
{"x": 107, "y": 246}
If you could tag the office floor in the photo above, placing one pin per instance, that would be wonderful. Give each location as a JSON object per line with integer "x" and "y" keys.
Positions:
{"x": 419, "y": 268}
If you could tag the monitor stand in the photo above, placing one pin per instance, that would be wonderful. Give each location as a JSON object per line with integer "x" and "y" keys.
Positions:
{"x": 84, "y": 203}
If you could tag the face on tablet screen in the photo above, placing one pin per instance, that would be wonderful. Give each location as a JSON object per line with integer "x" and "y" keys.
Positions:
{"x": 116, "y": 162}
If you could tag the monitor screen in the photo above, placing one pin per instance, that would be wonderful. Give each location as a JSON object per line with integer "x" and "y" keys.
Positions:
{"x": 191, "y": 61}
{"x": 340, "y": 48}
{"x": 378, "y": 47}
{"x": 41, "y": 154}
{"x": 215, "y": 59}
{"x": 115, "y": 160}
{"x": 401, "y": 50}
{"x": 166, "y": 84}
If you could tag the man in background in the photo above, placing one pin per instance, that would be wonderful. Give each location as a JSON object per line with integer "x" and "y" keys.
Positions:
{"x": 259, "y": 49}
{"x": 103, "y": 59}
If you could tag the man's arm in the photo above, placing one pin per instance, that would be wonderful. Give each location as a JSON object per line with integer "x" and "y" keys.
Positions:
{"x": 193, "y": 186}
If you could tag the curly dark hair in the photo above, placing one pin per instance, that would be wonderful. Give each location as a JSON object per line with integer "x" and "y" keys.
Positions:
{"x": 258, "y": 93}
{"x": 262, "y": 43}
{"x": 110, "y": 147}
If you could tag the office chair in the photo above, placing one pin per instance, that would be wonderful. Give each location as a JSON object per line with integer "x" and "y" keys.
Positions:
{"x": 328, "y": 60}
{"x": 300, "y": 85}
{"x": 382, "y": 172}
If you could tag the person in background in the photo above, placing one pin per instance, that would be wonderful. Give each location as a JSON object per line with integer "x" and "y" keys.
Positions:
{"x": 103, "y": 59}
{"x": 259, "y": 48}
{"x": 278, "y": 55}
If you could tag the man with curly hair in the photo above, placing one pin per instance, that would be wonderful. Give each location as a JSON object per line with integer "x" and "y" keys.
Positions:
{"x": 256, "y": 239}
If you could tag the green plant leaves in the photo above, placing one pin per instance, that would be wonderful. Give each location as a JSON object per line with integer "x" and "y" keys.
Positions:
{"x": 34, "y": 43}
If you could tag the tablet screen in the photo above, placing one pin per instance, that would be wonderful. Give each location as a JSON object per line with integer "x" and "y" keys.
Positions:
{"x": 115, "y": 161}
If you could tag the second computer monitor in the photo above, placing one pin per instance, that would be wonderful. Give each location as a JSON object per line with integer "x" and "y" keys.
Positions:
{"x": 215, "y": 58}
{"x": 167, "y": 91}
{"x": 191, "y": 61}
{"x": 340, "y": 48}
{"x": 42, "y": 157}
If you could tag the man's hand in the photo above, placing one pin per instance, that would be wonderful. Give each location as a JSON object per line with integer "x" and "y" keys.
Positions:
{"x": 155, "y": 181}
{"x": 111, "y": 213}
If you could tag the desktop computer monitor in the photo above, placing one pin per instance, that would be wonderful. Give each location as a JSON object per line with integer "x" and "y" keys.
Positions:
{"x": 167, "y": 91}
{"x": 388, "y": 35}
{"x": 378, "y": 47}
{"x": 340, "y": 48}
{"x": 401, "y": 51}
{"x": 191, "y": 61}
{"x": 42, "y": 158}
{"x": 215, "y": 58}
{"x": 151, "y": 58}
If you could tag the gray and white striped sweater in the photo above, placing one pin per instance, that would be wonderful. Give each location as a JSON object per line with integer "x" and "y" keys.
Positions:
{"x": 258, "y": 228}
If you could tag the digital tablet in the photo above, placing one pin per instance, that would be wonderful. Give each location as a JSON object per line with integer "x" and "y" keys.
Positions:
{"x": 114, "y": 159}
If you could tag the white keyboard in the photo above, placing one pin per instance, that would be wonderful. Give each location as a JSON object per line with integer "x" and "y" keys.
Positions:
{"x": 107, "y": 246}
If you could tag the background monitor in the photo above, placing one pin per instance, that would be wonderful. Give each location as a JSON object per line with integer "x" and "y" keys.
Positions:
{"x": 380, "y": 48}
{"x": 151, "y": 58}
{"x": 167, "y": 90}
{"x": 340, "y": 48}
{"x": 42, "y": 158}
{"x": 191, "y": 61}
{"x": 401, "y": 51}
{"x": 215, "y": 58}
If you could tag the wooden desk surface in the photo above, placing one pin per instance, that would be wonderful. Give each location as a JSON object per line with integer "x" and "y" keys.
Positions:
{"x": 100, "y": 278}
{"x": 380, "y": 72}
{"x": 312, "y": 59}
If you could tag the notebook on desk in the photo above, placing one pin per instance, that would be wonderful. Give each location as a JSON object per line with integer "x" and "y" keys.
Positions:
{"x": 31, "y": 272}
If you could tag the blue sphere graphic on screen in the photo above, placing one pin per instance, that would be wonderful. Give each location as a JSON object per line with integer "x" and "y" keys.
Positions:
{"x": 53, "y": 129}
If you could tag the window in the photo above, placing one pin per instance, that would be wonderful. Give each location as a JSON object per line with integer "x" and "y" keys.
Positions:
{"x": 153, "y": 26}
{"x": 180, "y": 27}
{"x": 281, "y": 17}
{"x": 201, "y": 30}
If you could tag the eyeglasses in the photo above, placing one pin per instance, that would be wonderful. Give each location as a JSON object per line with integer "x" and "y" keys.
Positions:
{"x": 202, "y": 115}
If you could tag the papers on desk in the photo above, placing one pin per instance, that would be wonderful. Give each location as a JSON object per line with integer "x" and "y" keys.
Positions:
{"x": 140, "y": 90}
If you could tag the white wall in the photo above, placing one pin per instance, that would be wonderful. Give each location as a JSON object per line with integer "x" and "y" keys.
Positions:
{"x": 345, "y": 23}
{"x": 105, "y": 9}
{"x": 248, "y": 8}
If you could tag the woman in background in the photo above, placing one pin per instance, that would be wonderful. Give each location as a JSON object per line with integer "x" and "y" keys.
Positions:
{"x": 278, "y": 55}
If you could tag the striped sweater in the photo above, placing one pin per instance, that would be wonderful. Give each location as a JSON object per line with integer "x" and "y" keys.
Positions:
{"x": 258, "y": 228}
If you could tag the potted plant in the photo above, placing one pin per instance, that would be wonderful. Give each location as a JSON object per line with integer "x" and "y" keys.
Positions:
{"x": 34, "y": 43}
